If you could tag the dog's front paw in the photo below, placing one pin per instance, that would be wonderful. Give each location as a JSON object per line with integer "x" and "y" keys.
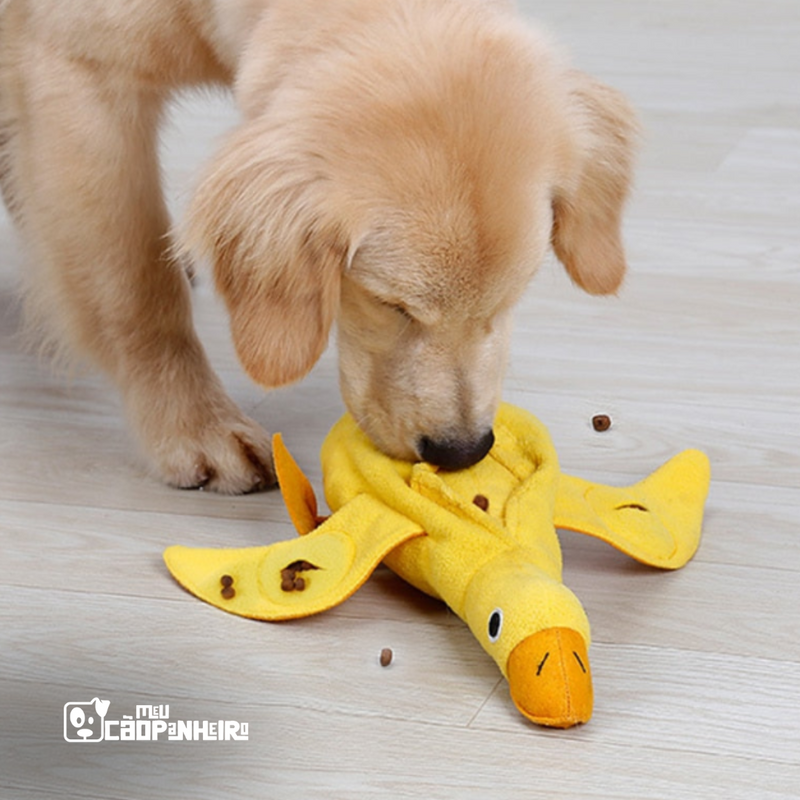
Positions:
{"x": 228, "y": 456}
{"x": 220, "y": 450}
{"x": 190, "y": 430}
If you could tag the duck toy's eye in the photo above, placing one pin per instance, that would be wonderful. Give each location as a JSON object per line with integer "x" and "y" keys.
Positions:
{"x": 495, "y": 624}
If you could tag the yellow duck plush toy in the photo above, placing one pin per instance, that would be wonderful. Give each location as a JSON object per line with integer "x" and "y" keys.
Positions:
{"x": 483, "y": 540}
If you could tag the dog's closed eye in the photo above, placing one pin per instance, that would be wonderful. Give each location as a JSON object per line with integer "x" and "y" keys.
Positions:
{"x": 399, "y": 309}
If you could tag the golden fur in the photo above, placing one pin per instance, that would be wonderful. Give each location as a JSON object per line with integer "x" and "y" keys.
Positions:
{"x": 400, "y": 168}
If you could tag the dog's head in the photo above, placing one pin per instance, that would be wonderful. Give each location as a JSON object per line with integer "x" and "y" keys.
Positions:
{"x": 410, "y": 193}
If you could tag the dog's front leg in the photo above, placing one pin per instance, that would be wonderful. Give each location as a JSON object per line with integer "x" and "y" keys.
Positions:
{"x": 81, "y": 148}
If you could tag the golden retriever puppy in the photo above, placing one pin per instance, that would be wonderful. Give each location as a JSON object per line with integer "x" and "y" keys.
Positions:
{"x": 401, "y": 167}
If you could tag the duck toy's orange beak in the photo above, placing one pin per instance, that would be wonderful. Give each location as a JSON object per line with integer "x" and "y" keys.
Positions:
{"x": 550, "y": 680}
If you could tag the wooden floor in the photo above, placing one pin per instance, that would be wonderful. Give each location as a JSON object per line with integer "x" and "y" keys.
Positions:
{"x": 697, "y": 673}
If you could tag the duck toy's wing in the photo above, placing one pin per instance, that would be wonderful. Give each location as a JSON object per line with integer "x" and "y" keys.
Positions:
{"x": 296, "y": 578}
{"x": 657, "y": 521}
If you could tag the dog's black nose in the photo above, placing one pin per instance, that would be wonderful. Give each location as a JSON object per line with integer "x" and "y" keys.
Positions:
{"x": 453, "y": 454}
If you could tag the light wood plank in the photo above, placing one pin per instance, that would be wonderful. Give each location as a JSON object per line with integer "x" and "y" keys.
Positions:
{"x": 305, "y": 750}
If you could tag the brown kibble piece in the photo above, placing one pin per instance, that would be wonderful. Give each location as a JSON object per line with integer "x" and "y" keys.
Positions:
{"x": 601, "y": 422}
{"x": 481, "y": 501}
{"x": 386, "y": 656}
{"x": 229, "y": 592}
{"x": 290, "y": 580}
{"x": 226, "y": 580}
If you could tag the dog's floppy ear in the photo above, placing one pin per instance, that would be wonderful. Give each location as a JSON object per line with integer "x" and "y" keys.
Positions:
{"x": 587, "y": 206}
{"x": 261, "y": 214}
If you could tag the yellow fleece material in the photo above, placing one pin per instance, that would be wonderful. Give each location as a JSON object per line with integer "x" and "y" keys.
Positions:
{"x": 482, "y": 539}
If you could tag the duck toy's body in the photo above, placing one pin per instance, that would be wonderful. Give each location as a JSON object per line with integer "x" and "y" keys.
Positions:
{"x": 483, "y": 540}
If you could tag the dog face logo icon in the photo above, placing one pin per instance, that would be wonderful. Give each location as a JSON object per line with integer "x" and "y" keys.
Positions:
{"x": 83, "y": 722}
